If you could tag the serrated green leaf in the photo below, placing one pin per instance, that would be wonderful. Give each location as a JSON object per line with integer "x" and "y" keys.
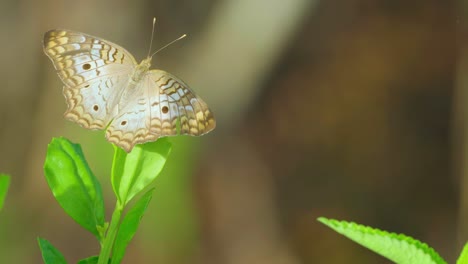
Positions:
{"x": 74, "y": 185}
{"x": 4, "y": 184}
{"x": 50, "y": 254}
{"x": 463, "y": 259}
{"x": 129, "y": 226}
{"x": 90, "y": 260}
{"x": 398, "y": 248}
{"x": 134, "y": 171}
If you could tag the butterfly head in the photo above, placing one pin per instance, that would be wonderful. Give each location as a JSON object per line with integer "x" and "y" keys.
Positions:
{"x": 146, "y": 63}
{"x": 141, "y": 69}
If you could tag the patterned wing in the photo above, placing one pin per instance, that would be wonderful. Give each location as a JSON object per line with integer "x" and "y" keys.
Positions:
{"x": 95, "y": 73}
{"x": 93, "y": 105}
{"x": 153, "y": 111}
{"x": 132, "y": 125}
{"x": 176, "y": 101}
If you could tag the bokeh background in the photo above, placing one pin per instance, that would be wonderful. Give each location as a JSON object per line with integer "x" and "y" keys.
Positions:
{"x": 348, "y": 109}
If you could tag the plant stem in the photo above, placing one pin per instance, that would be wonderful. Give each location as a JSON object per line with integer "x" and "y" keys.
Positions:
{"x": 111, "y": 233}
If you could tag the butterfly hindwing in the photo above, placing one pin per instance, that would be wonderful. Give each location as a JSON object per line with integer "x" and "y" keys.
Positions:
{"x": 132, "y": 125}
{"x": 152, "y": 114}
{"x": 92, "y": 104}
{"x": 162, "y": 100}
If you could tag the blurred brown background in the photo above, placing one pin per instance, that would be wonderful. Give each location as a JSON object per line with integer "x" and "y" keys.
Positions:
{"x": 351, "y": 109}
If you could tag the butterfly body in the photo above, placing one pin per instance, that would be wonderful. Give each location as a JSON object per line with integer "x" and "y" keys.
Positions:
{"x": 104, "y": 87}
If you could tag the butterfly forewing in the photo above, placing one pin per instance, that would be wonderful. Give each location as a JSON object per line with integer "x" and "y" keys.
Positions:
{"x": 79, "y": 58}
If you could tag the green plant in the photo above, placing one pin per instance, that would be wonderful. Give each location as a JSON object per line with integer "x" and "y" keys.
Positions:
{"x": 4, "y": 184}
{"x": 79, "y": 193}
{"x": 398, "y": 248}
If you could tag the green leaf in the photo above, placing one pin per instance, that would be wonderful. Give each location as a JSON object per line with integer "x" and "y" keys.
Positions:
{"x": 73, "y": 184}
{"x": 129, "y": 226}
{"x": 463, "y": 259}
{"x": 400, "y": 249}
{"x": 134, "y": 171}
{"x": 4, "y": 184}
{"x": 90, "y": 260}
{"x": 50, "y": 254}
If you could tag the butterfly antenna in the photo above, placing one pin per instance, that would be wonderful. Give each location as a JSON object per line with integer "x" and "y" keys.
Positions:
{"x": 152, "y": 35}
{"x": 168, "y": 44}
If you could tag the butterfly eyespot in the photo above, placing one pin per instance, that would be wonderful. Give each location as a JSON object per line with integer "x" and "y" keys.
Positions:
{"x": 123, "y": 123}
{"x": 165, "y": 109}
{"x": 95, "y": 107}
{"x": 86, "y": 66}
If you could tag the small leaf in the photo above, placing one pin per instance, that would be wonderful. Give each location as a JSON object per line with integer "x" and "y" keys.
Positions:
{"x": 90, "y": 260}
{"x": 463, "y": 259}
{"x": 129, "y": 226}
{"x": 50, "y": 254}
{"x": 4, "y": 184}
{"x": 73, "y": 184}
{"x": 134, "y": 171}
{"x": 400, "y": 249}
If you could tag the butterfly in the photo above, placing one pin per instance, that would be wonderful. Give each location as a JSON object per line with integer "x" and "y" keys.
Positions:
{"x": 105, "y": 88}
